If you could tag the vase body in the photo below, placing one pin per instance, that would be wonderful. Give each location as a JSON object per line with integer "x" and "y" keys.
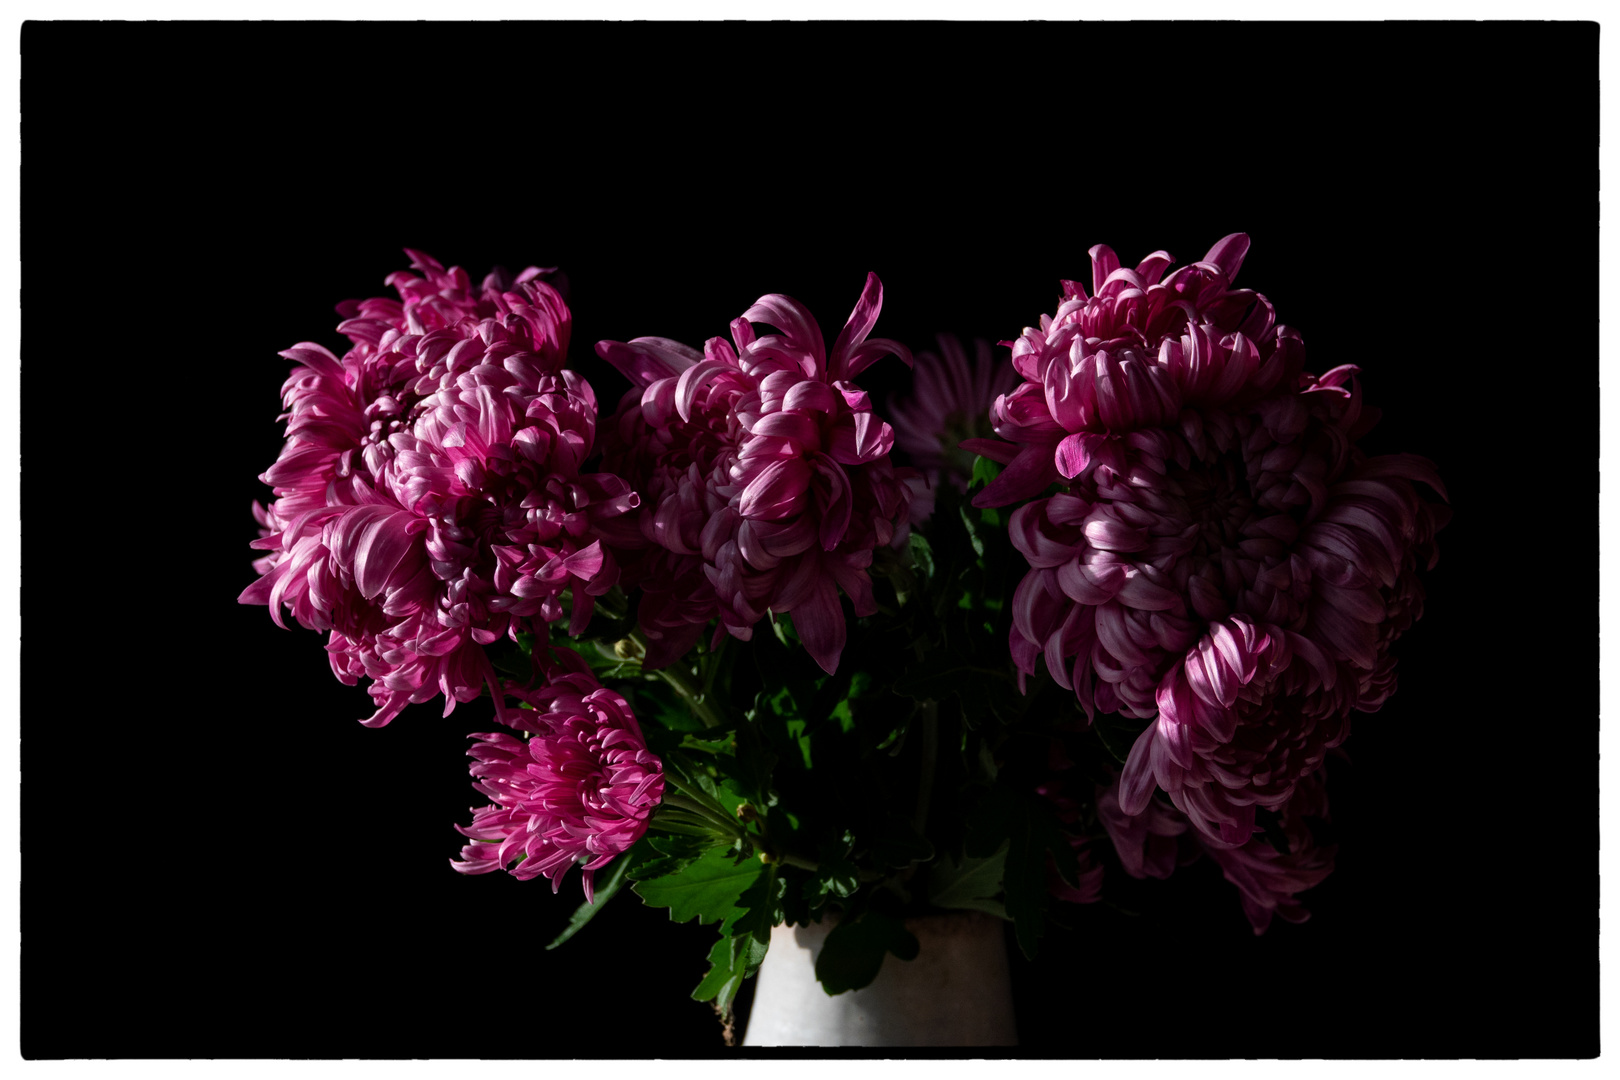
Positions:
{"x": 955, "y": 993}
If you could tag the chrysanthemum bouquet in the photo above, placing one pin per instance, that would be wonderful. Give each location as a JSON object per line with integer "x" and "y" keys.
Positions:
{"x": 766, "y": 650}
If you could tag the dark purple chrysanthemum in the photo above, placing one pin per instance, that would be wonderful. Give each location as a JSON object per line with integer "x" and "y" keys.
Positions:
{"x": 764, "y": 475}
{"x": 429, "y": 497}
{"x": 1212, "y": 485}
{"x": 1269, "y": 872}
{"x": 949, "y": 403}
{"x": 1249, "y": 712}
{"x": 1268, "y": 880}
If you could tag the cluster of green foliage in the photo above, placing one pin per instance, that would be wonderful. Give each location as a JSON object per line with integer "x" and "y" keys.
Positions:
{"x": 904, "y": 783}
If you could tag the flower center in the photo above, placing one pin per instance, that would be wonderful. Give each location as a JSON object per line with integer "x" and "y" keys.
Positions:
{"x": 1218, "y": 502}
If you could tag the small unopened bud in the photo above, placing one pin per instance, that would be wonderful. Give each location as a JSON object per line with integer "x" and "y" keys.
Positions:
{"x": 625, "y": 649}
{"x": 767, "y": 858}
{"x": 747, "y": 813}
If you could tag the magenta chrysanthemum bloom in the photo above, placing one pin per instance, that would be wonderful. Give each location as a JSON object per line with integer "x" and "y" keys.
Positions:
{"x": 1154, "y": 842}
{"x": 1246, "y": 714}
{"x": 581, "y": 790}
{"x": 1268, "y": 880}
{"x": 764, "y": 474}
{"x": 1215, "y": 490}
{"x": 429, "y": 497}
{"x": 949, "y": 403}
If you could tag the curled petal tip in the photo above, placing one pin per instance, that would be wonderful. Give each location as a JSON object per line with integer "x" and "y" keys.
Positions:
{"x": 1228, "y": 253}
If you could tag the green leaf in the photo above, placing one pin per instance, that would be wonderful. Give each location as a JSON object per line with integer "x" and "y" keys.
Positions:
{"x": 834, "y": 691}
{"x": 836, "y": 875}
{"x": 985, "y": 472}
{"x": 971, "y": 883}
{"x": 835, "y": 878}
{"x": 604, "y": 890}
{"x": 972, "y": 529}
{"x": 721, "y": 745}
{"x": 750, "y": 766}
{"x": 852, "y": 955}
{"x": 754, "y": 951}
{"x": 781, "y": 702}
{"x": 706, "y": 889}
{"x": 1119, "y": 733}
{"x": 732, "y": 960}
{"x": 795, "y": 908}
{"x": 691, "y": 777}
{"x": 1030, "y": 834}
{"x": 604, "y": 659}
{"x": 660, "y": 856}
{"x": 782, "y": 624}
{"x": 655, "y": 699}
{"x": 685, "y": 825}
{"x": 796, "y": 731}
{"x": 922, "y": 554}
{"x": 719, "y": 971}
{"x": 512, "y": 660}
{"x": 759, "y": 908}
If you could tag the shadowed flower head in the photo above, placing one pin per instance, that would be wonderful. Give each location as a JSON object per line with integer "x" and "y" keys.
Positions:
{"x": 949, "y": 402}
{"x": 1215, "y": 495}
{"x": 429, "y": 497}
{"x": 1269, "y": 877}
{"x": 1249, "y": 711}
{"x": 579, "y": 790}
{"x": 1268, "y": 871}
{"x": 764, "y": 476}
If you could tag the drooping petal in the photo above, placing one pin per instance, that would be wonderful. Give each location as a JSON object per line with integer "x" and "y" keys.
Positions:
{"x": 819, "y": 622}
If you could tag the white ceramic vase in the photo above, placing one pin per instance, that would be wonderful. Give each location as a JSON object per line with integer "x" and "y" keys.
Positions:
{"x": 955, "y": 993}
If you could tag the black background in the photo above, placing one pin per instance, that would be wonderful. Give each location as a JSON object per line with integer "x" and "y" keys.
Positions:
{"x": 220, "y": 862}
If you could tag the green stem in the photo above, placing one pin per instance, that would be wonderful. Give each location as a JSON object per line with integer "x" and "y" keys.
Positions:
{"x": 702, "y": 810}
{"x": 676, "y": 675}
{"x": 790, "y": 859}
{"x": 930, "y": 753}
{"x": 696, "y": 795}
{"x": 794, "y": 860}
{"x": 682, "y": 824}
{"x": 712, "y": 666}
{"x": 613, "y": 603}
{"x": 669, "y": 815}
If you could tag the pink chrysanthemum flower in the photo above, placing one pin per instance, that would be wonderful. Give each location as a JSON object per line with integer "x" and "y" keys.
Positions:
{"x": 949, "y": 402}
{"x": 581, "y": 790}
{"x": 1154, "y": 842}
{"x": 1209, "y": 477}
{"x": 762, "y": 468}
{"x": 1268, "y": 880}
{"x": 1249, "y": 711}
{"x": 429, "y": 498}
